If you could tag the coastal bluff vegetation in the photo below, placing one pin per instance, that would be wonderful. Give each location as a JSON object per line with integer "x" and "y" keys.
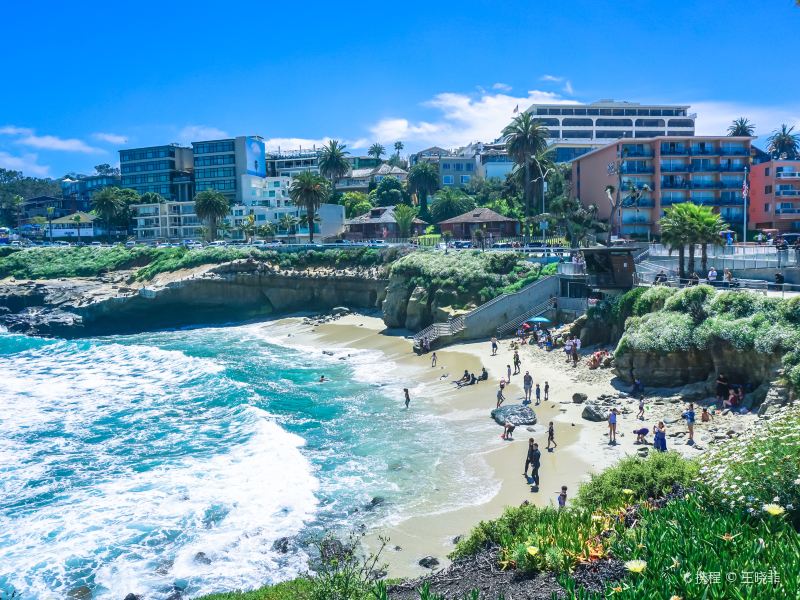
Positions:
{"x": 72, "y": 292}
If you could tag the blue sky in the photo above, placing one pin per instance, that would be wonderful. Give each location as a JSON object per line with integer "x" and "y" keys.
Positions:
{"x": 83, "y": 79}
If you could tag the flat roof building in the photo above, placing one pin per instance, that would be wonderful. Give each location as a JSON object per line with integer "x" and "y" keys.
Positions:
{"x": 164, "y": 170}
{"x": 703, "y": 170}
{"x": 78, "y": 193}
{"x": 221, "y": 165}
{"x": 775, "y": 195}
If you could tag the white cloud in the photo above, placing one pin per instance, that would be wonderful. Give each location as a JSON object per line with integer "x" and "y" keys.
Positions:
{"x": 14, "y": 130}
{"x": 27, "y": 163}
{"x": 568, "y": 88}
{"x": 502, "y": 87}
{"x": 287, "y": 144}
{"x": 200, "y": 133}
{"x": 463, "y": 118}
{"x": 111, "y": 138}
{"x": 552, "y": 78}
{"x": 713, "y": 118}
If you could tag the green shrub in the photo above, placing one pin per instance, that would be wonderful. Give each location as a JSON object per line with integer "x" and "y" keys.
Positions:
{"x": 737, "y": 304}
{"x": 623, "y": 307}
{"x": 660, "y": 332}
{"x": 691, "y": 301}
{"x": 642, "y": 478}
{"x": 296, "y": 589}
{"x": 652, "y": 299}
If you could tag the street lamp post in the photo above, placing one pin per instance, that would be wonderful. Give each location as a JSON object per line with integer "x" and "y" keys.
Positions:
{"x": 745, "y": 194}
{"x": 543, "y": 178}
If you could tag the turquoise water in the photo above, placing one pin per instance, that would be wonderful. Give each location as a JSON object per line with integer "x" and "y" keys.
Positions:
{"x": 122, "y": 458}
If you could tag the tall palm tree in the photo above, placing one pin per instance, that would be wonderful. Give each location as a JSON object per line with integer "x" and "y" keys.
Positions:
{"x": 525, "y": 138}
{"x": 376, "y": 150}
{"x": 423, "y": 179}
{"x": 449, "y": 202}
{"x": 333, "y": 162}
{"x": 404, "y": 215}
{"x": 77, "y": 220}
{"x": 397, "y": 147}
{"x": 709, "y": 225}
{"x": 741, "y": 127}
{"x": 310, "y": 191}
{"x": 784, "y": 141}
{"x": 267, "y": 230}
{"x": 108, "y": 205}
{"x": 287, "y": 222}
{"x": 211, "y": 206}
{"x": 248, "y": 228}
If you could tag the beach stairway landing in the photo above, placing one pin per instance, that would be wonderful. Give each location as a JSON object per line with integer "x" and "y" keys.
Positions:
{"x": 483, "y": 321}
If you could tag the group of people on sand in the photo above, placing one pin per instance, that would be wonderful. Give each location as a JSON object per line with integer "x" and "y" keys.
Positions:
{"x": 533, "y": 461}
{"x": 730, "y": 395}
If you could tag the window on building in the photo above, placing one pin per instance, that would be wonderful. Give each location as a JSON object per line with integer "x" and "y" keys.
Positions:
{"x": 469, "y": 166}
{"x": 447, "y": 180}
{"x": 465, "y": 178}
{"x": 446, "y": 166}
{"x": 766, "y": 172}
{"x": 459, "y": 167}
{"x": 767, "y": 189}
{"x": 766, "y": 207}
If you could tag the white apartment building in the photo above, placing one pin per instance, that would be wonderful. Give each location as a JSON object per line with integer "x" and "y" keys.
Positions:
{"x": 167, "y": 221}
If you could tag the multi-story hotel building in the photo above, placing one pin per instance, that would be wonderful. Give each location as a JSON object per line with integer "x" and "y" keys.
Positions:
{"x": 775, "y": 195}
{"x": 229, "y": 165}
{"x": 703, "y": 170}
{"x": 575, "y": 129}
{"x": 288, "y": 164}
{"x": 78, "y": 193}
{"x": 164, "y": 170}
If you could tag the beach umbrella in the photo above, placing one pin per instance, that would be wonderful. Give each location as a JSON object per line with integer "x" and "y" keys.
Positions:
{"x": 538, "y": 320}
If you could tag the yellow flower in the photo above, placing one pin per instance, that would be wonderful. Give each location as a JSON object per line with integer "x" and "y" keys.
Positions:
{"x": 597, "y": 517}
{"x": 675, "y": 598}
{"x": 533, "y": 550}
{"x": 635, "y": 566}
{"x": 617, "y": 590}
{"x": 774, "y": 509}
{"x": 628, "y": 491}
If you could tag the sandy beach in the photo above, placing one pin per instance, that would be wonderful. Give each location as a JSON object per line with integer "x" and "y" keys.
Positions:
{"x": 582, "y": 445}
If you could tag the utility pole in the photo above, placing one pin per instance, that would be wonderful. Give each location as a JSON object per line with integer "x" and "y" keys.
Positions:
{"x": 745, "y": 194}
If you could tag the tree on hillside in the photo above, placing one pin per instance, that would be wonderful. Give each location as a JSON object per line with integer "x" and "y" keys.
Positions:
{"x": 14, "y": 183}
{"x": 76, "y": 218}
{"x": 389, "y": 192}
{"x": 397, "y": 147}
{"x": 106, "y": 169}
{"x": 151, "y": 198}
{"x": 784, "y": 142}
{"x": 404, "y": 215}
{"x": 248, "y": 228}
{"x": 288, "y": 223}
{"x": 211, "y": 206}
{"x": 449, "y": 203}
{"x": 355, "y": 203}
{"x": 423, "y": 180}
{"x": 309, "y": 190}
{"x": 741, "y": 127}
{"x": 333, "y": 162}
{"x": 525, "y": 139}
{"x": 109, "y": 205}
{"x": 578, "y": 221}
{"x": 376, "y": 150}
{"x": 709, "y": 227}
{"x": 265, "y": 231}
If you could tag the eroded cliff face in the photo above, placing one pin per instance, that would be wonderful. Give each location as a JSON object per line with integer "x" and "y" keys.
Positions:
{"x": 680, "y": 368}
{"x": 228, "y": 292}
{"x": 414, "y": 307}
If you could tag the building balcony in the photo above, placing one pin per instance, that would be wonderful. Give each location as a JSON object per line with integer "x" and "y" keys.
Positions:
{"x": 704, "y": 185}
{"x": 729, "y": 202}
{"x": 674, "y": 152}
{"x": 674, "y": 185}
{"x": 732, "y": 168}
{"x": 637, "y": 221}
{"x": 675, "y": 168}
{"x": 636, "y": 154}
{"x": 705, "y": 151}
{"x": 788, "y": 175}
{"x": 704, "y": 168}
{"x": 735, "y": 151}
{"x": 637, "y": 170}
{"x": 787, "y": 212}
{"x": 730, "y": 185}
{"x": 785, "y": 193}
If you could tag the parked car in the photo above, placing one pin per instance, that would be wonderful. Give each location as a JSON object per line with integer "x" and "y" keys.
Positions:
{"x": 218, "y": 243}
{"x": 130, "y": 244}
{"x": 461, "y": 244}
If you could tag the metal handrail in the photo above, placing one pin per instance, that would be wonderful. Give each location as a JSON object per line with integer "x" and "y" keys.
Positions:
{"x": 534, "y": 312}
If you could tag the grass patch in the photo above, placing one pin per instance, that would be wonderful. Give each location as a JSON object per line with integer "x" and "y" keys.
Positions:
{"x": 297, "y": 589}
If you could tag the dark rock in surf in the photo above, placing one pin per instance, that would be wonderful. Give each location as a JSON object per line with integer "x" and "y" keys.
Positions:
{"x": 281, "y": 545}
{"x": 429, "y": 562}
{"x": 202, "y": 559}
{"x": 518, "y": 414}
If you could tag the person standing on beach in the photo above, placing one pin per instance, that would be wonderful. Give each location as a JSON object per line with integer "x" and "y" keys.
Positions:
{"x": 612, "y": 426}
{"x": 546, "y": 391}
{"x": 538, "y": 394}
{"x": 660, "y": 437}
{"x": 433, "y": 359}
{"x": 494, "y": 346}
{"x": 535, "y": 458}
{"x": 690, "y": 418}
{"x": 568, "y": 348}
{"x": 576, "y": 345}
{"x": 640, "y": 414}
{"x": 508, "y": 373}
{"x": 527, "y": 382}
{"x": 517, "y": 362}
{"x": 500, "y": 397}
{"x": 408, "y": 398}
{"x": 551, "y": 436}
{"x": 722, "y": 388}
{"x": 562, "y": 497}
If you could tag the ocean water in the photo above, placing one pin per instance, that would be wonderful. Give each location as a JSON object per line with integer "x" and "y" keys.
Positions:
{"x": 124, "y": 457}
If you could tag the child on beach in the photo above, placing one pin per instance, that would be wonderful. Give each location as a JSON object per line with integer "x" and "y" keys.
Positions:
{"x": 508, "y": 373}
{"x": 408, "y": 398}
{"x": 568, "y": 348}
{"x": 640, "y": 414}
{"x": 689, "y": 416}
{"x": 612, "y": 426}
{"x": 546, "y": 391}
{"x": 705, "y": 416}
{"x": 538, "y": 394}
{"x": 641, "y": 434}
{"x": 508, "y": 431}
{"x": 433, "y": 359}
{"x": 562, "y": 497}
{"x": 551, "y": 437}
{"x": 494, "y": 346}
{"x": 500, "y": 397}
{"x": 527, "y": 382}
{"x": 517, "y": 362}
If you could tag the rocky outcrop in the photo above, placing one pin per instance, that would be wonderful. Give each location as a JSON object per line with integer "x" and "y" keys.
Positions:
{"x": 238, "y": 290}
{"x": 418, "y": 313}
{"x": 593, "y": 412}
{"x": 395, "y": 303}
{"x": 517, "y": 414}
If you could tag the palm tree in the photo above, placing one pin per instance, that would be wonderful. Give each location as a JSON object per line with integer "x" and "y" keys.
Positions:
{"x": 309, "y": 190}
{"x": 225, "y": 229}
{"x": 741, "y": 127}
{"x": 108, "y": 205}
{"x": 785, "y": 142}
{"x": 397, "y": 147}
{"x": 709, "y": 226}
{"x": 449, "y": 202}
{"x": 423, "y": 179}
{"x": 248, "y": 228}
{"x": 267, "y": 230}
{"x": 287, "y": 222}
{"x": 404, "y": 215}
{"x": 376, "y": 150}
{"x": 77, "y": 220}
{"x": 525, "y": 138}
{"x": 679, "y": 229}
{"x": 333, "y": 162}
{"x": 211, "y": 206}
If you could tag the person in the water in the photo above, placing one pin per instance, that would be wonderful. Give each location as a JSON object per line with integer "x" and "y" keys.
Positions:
{"x": 408, "y": 398}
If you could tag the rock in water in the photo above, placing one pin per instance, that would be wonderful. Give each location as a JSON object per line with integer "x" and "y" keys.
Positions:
{"x": 201, "y": 558}
{"x": 340, "y": 311}
{"x": 133, "y": 597}
{"x": 579, "y": 397}
{"x": 518, "y": 414}
{"x": 281, "y": 545}
{"x": 429, "y": 562}
{"x": 593, "y": 412}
